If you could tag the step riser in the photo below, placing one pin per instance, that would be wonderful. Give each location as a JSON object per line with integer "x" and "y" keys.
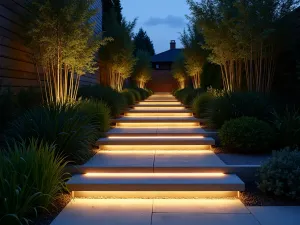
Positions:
{"x": 157, "y": 114}
{"x": 154, "y": 147}
{"x": 158, "y": 125}
{"x": 155, "y": 194}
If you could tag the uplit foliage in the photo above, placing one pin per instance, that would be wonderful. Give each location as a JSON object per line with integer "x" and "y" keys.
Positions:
{"x": 142, "y": 69}
{"x": 179, "y": 71}
{"x": 194, "y": 54}
{"x": 243, "y": 37}
{"x": 64, "y": 44}
{"x": 117, "y": 55}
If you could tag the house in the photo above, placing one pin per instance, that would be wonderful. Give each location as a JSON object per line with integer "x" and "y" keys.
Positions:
{"x": 17, "y": 70}
{"x": 162, "y": 78}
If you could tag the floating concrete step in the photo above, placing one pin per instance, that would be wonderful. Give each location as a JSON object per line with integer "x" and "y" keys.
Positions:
{"x": 160, "y": 106}
{"x": 196, "y": 131}
{"x": 160, "y": 111}
{"x": 155, "y": 184}
{"x": 162, "y": 140}
{"x": 156, "y": 119}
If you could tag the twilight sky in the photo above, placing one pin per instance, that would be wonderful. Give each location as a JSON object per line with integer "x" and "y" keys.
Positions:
{"x": 163, "y": 20}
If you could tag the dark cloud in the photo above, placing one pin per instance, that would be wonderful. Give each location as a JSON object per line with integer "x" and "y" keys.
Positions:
{"x": 171, "y": 21}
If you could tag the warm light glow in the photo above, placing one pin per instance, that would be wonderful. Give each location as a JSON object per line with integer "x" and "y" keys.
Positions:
{"x": 182, "y": 148}
{"x": 158, "y": 114}
{"x": 156, "y": 137}
{"x": 170, "y": 195}
{"x": 159, "y": 103}
{"x": 158, "y": 108}
{"x": 165, "y": 152}
{"x": 155, "y": 174}
{"x": 159, "y": 125}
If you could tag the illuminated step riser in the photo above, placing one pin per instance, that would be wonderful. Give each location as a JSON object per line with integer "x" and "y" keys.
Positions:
{"x": 158, "y": 125}
{"x": 159, "y": 103}
{"x": 155, "y": 107}
{"x": 155, "y": 194}
{"x": 157, "y": 114}
{"x": 154, "y": 147}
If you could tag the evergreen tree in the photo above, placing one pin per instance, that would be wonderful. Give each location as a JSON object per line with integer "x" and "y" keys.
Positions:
{"x": 142, "y": 69}
{"x": 109, "y": 6}
{"x": 142, "y": 42}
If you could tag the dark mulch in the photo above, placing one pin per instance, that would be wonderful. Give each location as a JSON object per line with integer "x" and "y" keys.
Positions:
{"x": 252, "y": 196}
{"x": 47, "y": 217}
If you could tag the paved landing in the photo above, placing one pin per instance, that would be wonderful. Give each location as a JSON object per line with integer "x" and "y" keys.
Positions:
{"x": 173, "y": 212}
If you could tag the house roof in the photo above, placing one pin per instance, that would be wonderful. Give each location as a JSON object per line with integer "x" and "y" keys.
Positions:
{"x": 167, "y": 56}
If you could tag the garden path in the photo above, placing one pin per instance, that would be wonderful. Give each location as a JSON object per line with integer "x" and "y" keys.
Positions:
{"x": 157, "y": 167}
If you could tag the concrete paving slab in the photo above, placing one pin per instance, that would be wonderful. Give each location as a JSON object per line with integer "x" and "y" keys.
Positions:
{"x": 187, "y": 159}
{"x": 106, "y": 212}
{"x": 276, "y": 215}
{"x": 132, "y": 131}
{"x": 122, "y": 159}
{"x": 199, "y": 206}
{"x": 197, "y": 130}
{"x": 205, "y": 219}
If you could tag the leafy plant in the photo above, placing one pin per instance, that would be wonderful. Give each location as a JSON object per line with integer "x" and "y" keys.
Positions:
{"x": 233, "y": 105}
{"x": 246, "y": 135}
{"x": 71, "y": 131}
{"x": 280, "y": 175}
{"x": 129, "y": 96}
{"x": 114, "y": 100}
{"x": 200, "y": 104}
{"x": 136, "y": 93}
{"x": 32, "y": 176}
{"x": 144, "y": 93}
{"x": 98, "y": 112}
{"x": 142, "y": 70}
{"x": 287, "y": 127}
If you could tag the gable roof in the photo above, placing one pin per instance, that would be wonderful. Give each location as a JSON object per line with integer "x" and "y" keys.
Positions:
{"x": 167, "y": 56}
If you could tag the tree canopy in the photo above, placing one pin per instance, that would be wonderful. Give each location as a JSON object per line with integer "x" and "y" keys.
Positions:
{"x": 142, "y": 42}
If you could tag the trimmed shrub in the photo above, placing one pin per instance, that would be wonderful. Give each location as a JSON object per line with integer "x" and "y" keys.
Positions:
{"x": 32, "y": 176}
{"x": 200, "y": 104}
{"x": 182, "y": 93}
{"x": 280, "y": 175}
{"x": 99, "y": 113}
{"x": 287, "y": 128}
{"x": 144, "y": 94}
{"x": 234, "y": 105}
{"x": 246, "y": 135}
{"x": 114, "y": 100}
{"x": 129, "y": 96}
{"x": 188, "y": 100}
{"x": 136, "y": 93}
{"x": 71, "y": 131}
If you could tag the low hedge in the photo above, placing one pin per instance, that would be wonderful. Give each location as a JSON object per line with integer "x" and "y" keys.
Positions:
{"x": 201, "y": 103}
{"x": 129, "y": 96}
{"x": 246, "y": 135}
{"x": 237, "y": 104}
{"x": 115, "y": 101}
{"x": 137, "y": 95}
{"x": 280, "y": 175}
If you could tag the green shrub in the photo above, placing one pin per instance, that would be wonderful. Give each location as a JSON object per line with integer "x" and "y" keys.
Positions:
{"x": 246, "y": 135}
{"x": 183, "y": 93}
{"x": 137, "y": 94}
{"x": 71, "y": 131}
{"x": 130, "y": 97}
{"x": 32, "y": 176}
{"x": 114, "y": 100}
{"x": 200, "y": 104}
{"x": 99, "y": 113}
{"x": 234, "y": 105}
{"x": 287, "y": 127}
{"x": 188, "y": 100}
{"x": 280, "y": 175}
{"x": 144, "y": 94}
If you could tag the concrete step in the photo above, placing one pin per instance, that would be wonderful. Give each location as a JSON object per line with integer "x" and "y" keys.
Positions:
{"x": 121, "y": 132}
{"x": 146, "y": 111}
{"x": 155, "y": 184}
{"x": 153, "y": 105}
{"x": 162, "y": 140}
{"x": 156, "y": 119}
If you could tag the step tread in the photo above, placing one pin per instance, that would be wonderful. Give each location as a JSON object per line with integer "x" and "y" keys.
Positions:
{"x": 159, "y": 105}
{"x": 227, "y": 182}
{"x": 160, "y": 141}
{"x": 160, "y": 111}
{"x": 156, "y": 119}
{"x": 157, "y": 131}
